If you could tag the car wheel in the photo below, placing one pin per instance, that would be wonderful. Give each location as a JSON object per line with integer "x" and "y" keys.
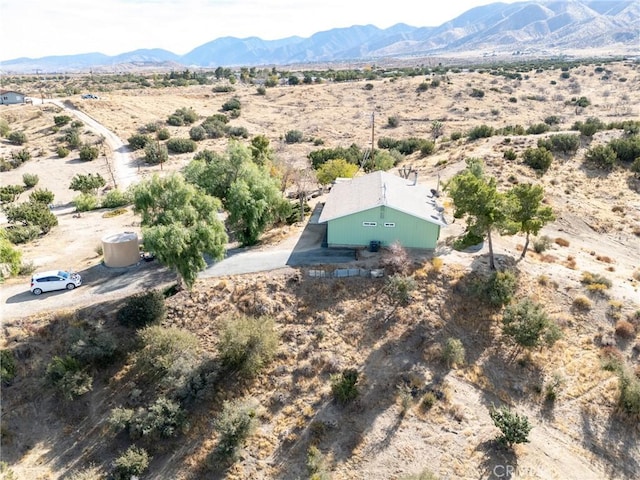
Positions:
{"x": 70, "y": 286}
{"x": 37, "y": 291}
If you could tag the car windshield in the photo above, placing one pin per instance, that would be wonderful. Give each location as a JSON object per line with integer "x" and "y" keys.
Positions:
{"x": 63, "y": 274}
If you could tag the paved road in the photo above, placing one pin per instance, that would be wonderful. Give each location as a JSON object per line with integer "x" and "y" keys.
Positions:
{"x": 101, "y": 283}
{"x": 303, "y": 249}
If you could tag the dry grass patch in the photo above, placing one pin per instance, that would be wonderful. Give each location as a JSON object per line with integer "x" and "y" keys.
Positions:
{"x": 582, "y": 303}
{"x": 548, "y": 258}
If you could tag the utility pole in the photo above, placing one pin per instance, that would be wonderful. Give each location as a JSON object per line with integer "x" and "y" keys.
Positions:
{"x": 373, "y": 116}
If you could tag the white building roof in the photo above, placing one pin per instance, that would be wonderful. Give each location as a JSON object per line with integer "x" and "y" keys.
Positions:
{"x": 377, "y": 189}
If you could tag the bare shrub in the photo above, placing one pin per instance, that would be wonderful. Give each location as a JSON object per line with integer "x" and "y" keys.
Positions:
{"x": 541, "y": 244}
{"x": 611, "y": 358}
{"x": 625, "y": 329}
{"x": 395, "y": 259}
{"x": 562, "y": 242}
{"x": 453, "y": 352}
{"x": 91, "y": 472}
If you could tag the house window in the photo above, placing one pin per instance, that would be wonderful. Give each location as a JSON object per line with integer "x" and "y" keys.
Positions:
{"x": 369, "y": 224}
{"x": 389, "y": 224}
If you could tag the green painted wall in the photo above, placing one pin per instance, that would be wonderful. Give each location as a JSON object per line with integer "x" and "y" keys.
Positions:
{"x": 410, "y": 231}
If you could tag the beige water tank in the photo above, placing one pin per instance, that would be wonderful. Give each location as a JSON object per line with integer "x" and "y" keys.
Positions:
{"x": 121, "y": 249}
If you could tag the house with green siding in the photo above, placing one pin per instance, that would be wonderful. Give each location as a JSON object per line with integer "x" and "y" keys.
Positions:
{"x": 381, "y": 207}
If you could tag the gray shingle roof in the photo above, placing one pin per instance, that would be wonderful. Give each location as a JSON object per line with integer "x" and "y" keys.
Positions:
{"x": 381, "y": 188}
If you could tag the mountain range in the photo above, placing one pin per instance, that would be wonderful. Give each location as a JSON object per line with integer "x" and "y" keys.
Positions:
{"x": 534, "y": 28}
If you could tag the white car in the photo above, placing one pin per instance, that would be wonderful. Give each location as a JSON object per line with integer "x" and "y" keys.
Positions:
{"x": 54, "y": 280}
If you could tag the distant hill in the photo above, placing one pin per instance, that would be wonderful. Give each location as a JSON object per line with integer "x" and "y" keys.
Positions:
{"x": 535, "y": 28}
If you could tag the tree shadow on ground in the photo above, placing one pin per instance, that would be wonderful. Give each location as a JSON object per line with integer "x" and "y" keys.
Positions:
{"x": 617, "y": 445}
{"x": 73, "y": 430}
{"x": 345, "y": 426}
{"x": 520, "y": 377}
{"x": 386, "y": 372}
{"x": 498, "y": 461}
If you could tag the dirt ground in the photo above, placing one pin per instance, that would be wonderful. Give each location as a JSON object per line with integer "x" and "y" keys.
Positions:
{"x": 598, "y": 216}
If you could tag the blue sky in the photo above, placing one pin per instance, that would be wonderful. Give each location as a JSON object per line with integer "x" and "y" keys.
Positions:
{"x": 37, "y": 28}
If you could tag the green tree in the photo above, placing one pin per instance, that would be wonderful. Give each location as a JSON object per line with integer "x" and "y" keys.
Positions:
{"x": 235, "y": 423}
{"x": 30, "y": 180}
{"x": 32, "y": 214}
{"x": 437, "y": 129}
{"x": 10, "y": 193}
{"x": 339, "y": 167}
{"x": 68, "y": 377}
{"x": 131, "y": 463}
{"x": 476, "y": 196}
{"x": 41, "y": 195}
{"x": 499, "y": 288}
{"x": 231, "y": 105}
{"x": 527, "y": 212}
{"x": 8, "y": 367}
{"x": 138, "y": 141}
{"x": 155, "y": 153}
{"x": 180, "y": 224}
{"x": 197, "y": 133}
{"x": 538, "y": 158}
{"x": 61, "y": 120}
{"x": 88, "y": 183}
{"x": 215, "y": 173}
{"x": 344, "y": 386}
{"x": 17, "y": 138}
{"x": 4, "y": 128}
{"x": 528, "y": 325}
{"x": 514, "y": 428}
{"x": 181, "y": 145}
{"x": 627, "y": 149}
{"x": 89, "y": 152}
{"x": 293, "y": 136}
{"x": 382, "y": 160}
{"x": 143, "y": 309}
{"x": 261, "y": 152}
{"x": 254, "y": 202}
{"x": 601, "y": 156}
{"x": 247, "y": 344}
{"x": 565, "y": 143}
{"x": 167, "y": 353}
{"x": 9, "y": 255}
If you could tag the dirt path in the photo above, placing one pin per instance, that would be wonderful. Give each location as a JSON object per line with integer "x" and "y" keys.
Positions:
{"x": 123, "y": 164}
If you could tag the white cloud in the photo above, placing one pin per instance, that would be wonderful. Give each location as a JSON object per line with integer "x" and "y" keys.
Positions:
{"x": 36, "y": 28}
